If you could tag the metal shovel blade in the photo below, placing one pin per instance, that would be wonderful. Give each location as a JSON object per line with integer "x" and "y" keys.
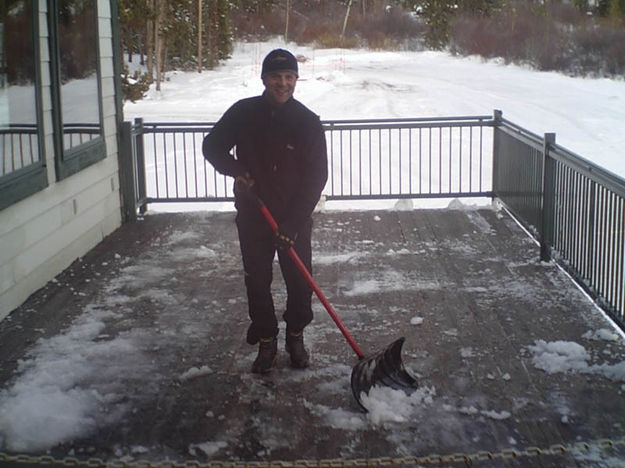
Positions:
{"x": 383, "y": 369}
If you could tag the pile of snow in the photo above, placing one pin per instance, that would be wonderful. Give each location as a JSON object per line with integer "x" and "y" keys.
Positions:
{"x": 194, "y": 372}
{"x": 385, "y": 404}
{"x": 567, "y": 356}
{"x": 559, "y": 356}
{"x": 63, "y": 384}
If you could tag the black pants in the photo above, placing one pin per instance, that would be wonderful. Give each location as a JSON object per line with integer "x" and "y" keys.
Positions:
{"x": 258, "y": 249}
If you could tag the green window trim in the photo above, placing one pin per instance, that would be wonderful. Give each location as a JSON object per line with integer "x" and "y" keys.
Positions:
{"x": 69, "y": 161}
{"x": 28, "y": 180}
{"x": 22, "y": 183}
{"x": 76, "y": 159}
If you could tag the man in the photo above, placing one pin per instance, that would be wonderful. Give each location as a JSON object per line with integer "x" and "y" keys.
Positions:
{"x": 280, "y": 159}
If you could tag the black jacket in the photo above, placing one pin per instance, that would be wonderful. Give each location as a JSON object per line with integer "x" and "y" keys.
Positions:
{"x": 283, "y": 149}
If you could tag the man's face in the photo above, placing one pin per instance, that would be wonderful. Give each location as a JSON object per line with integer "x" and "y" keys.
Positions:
{"x": 279, "y": 86}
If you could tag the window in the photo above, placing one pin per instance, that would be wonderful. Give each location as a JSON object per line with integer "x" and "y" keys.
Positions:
{"x": 22, "y": 170}
{"x": 76, "y": 85}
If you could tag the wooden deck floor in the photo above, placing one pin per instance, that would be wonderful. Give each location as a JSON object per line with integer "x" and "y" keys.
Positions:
{"x": 155, "y": 317}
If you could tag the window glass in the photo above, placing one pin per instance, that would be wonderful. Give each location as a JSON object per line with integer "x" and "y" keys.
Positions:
{"x": 19, "y": 132}
{"x": 78, "y": 58}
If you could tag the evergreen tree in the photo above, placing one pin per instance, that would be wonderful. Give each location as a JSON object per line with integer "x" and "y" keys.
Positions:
{"x": 438, "y": 15}
{"x": 616, "y": 10}
{"x": 133, "y": 17}
{"x": 176, "y": 37}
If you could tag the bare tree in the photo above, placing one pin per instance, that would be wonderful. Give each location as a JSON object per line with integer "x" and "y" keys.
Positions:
{"x": 286, "y": 27}
{"x": 149, "y": 39}
{"x": 199, "y": 36}
{"x": 160, "y": 41}
{"x": 349, "y": 7}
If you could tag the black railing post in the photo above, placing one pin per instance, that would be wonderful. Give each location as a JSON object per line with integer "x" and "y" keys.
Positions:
{"x": 497, "y": 118}
{"x": 592, "y": 222}
{"x": 139, "y": 160}
{"x": 127, "y": 174}
{"x": 547, "y": 199}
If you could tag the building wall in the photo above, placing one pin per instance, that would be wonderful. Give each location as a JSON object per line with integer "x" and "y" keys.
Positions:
{"x": 43, "y": 234}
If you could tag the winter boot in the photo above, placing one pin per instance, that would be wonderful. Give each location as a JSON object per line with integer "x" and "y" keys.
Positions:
{"x": 266, "y": 359}
{"x": 295, "y": 348}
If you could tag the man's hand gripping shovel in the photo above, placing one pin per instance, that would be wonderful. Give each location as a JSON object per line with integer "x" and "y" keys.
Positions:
{"x": 384, "y": 368}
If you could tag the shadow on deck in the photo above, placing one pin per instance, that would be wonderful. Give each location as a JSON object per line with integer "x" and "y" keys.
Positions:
{"x": 138, "y": 350}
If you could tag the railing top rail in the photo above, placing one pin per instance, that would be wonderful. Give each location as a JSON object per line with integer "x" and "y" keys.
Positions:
{"x": 175, "y": 124}
{"x": 588, "y": 169}
{"x": 523, "y": 134}
{"x": 473, "y": 118}
{"x": 521, "y": 129}
{"x": 168, "y": 127}
{"x": 21, "y": 130}
{"x": 81, "y": 124}
{"x": 18, "y": 125}
{"x": 582, "y": 165}
{"x": 354, "y": 123}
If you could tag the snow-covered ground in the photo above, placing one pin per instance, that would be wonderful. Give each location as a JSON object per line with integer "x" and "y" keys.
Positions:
{"x": 587, "y": 115}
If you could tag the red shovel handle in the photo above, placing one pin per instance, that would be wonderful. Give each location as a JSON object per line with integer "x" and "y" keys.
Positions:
{"x": 302, "y": 268}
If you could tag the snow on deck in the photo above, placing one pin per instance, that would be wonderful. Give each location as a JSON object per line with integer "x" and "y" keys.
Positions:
{"x": 138, "y": 351}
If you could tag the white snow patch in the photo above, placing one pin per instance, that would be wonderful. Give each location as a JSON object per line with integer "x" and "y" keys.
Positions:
{"x": 385, "y": 404}
{"x": 601, "y": 334}
{"x": 566, "y": 356}
{"x": 180, "y": 236}
{"x": 403, "y": 204}
{"x": 338, "y": 418}
{"x": 64, "y": 383}
{"x": 195, "y": 372}
{"x": 206, "y": 448}
{"x": 559, "y": 356}
{"x": 469, "y": 410}
{"x": 388, "y": 281}
{"x": 416, "y": 320}
{"x": 337, "y": 258}
{"x": 498, "y": 415}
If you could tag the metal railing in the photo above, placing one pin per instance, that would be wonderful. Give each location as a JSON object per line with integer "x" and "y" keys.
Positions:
{"x": 368, "y": 159}
{"x": 75, "y": 134}
{"x": 573, "y": 207}
{"x": 410, "y": 158}
{"x": 19, "y": 147}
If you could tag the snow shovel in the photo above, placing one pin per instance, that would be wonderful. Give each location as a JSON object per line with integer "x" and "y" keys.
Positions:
{"x": 384, "y": 368}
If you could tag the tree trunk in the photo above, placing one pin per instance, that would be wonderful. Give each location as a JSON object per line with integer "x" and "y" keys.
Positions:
{"x": 199, "y": 36}
{"x": 209, "y": 33}
{"x": 212, "y": 33}
{"x": 349, "y": 6}
{"x": 160, "y": 42}
{"x": 286, "y": 27}
{"x": 149, "y": 40}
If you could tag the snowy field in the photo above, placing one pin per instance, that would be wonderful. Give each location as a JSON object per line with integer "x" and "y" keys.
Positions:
{"x": 587, "y": 115}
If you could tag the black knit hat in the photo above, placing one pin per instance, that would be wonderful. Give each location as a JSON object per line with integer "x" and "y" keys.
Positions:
{"x": 279, "y": 60}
